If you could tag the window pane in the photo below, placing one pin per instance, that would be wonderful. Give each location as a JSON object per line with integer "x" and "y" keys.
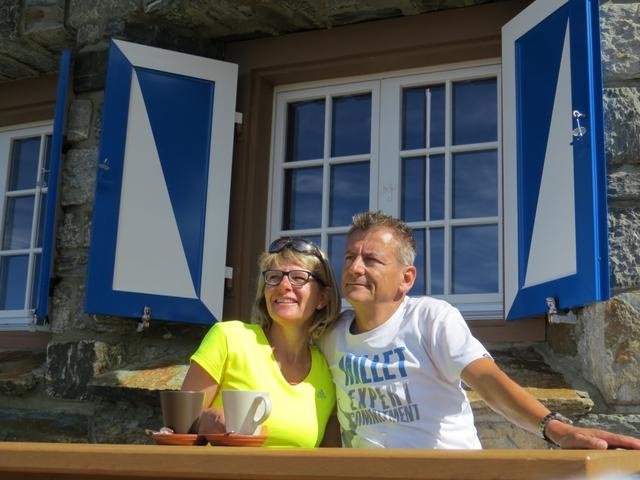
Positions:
{"x": 475, "y": 184}
{"x": 475, "y": 111}
{"x": 305, "y": 130}
{"x": 349, "y": 192}
{"x": 421, "y": 273}
{"x": 351, "y": 125}
{"x": 436, "y": 187}
{"x": 475, "y": 259}
{"x": 302, "y": 198}
{"x": 24, "y": 164}
{"x": 18, "y": 218}
{"x": 413, "y": 189}
{"x": 337, "y": 244}
{"x": 421, "y": 107}
{"x": 46, "y": 160}
{"x": 36, "y": 281}
{"x": 436, "y": 257}
{"x": 13, "y": 282}
{"x": 43, "y": 209}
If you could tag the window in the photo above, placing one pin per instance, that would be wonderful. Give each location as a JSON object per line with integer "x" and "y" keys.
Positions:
{"x": 424, "y": 147}
{"x": 24, "y": 170}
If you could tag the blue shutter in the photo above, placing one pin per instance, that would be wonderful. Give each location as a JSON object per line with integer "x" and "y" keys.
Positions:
{"x": 555, "y": 213}
{"x": 160, "y": 217}
{"x": 55, "y": 152}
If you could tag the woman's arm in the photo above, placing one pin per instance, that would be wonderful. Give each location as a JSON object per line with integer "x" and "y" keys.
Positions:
{"x": 198, "y": 379}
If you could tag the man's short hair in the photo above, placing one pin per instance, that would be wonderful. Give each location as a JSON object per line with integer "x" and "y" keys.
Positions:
{"x": 402, "y": 232}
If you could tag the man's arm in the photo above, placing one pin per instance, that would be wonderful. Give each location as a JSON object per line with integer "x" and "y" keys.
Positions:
{"x": 513, "y": 402}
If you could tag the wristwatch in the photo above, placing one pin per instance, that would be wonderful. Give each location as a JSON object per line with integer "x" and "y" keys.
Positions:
{"x": 542, "y": 426}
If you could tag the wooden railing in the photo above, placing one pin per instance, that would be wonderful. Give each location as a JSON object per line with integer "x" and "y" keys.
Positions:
{"x": 100, "y": 462}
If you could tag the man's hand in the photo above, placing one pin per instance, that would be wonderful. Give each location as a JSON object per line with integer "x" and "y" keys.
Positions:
{"x": 571, "y": 437}
{"x": 211, "y": 421}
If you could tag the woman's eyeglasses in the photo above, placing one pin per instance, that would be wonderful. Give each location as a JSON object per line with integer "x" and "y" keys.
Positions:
{"x": 298, "y": 244}
{"x": 297, "y": 278}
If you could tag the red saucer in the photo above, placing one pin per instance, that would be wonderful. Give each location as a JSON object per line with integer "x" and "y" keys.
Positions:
{"x": 178, "y": 439}
{"x": 233, "y": 440}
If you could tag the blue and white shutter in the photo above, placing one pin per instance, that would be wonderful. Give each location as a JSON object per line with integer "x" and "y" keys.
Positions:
{"x": 555, "y": 214}
{"x": 160, "y": 217}
{"x": 51, "y": 206}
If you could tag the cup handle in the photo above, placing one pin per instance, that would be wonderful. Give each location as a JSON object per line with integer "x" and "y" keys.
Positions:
{"x": 267, "y": 408}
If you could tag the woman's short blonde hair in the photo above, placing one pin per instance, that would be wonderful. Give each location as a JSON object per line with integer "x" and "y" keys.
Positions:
{"x": 321, "y": 269}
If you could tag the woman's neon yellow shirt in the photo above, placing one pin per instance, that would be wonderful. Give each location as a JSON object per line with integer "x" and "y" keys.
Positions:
{"x": 239, "y": 357}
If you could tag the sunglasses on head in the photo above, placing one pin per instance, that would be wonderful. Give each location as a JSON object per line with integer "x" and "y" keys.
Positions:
{"x": 298, "y": 244}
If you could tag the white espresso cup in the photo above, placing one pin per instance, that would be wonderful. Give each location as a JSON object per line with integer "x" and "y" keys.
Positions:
{"x": 245, "y": 411}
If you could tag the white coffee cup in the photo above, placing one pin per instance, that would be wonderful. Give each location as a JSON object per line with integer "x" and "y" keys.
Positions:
{"x": 245, "y": 411}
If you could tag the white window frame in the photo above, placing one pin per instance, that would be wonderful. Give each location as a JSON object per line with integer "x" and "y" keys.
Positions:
{"x": 22, "y": 319}
{"x": 280, "y": 165}
{"x": 385, "y": 167}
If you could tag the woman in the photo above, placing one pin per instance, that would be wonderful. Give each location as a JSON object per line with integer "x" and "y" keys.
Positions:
{"x": 297, "y": 299}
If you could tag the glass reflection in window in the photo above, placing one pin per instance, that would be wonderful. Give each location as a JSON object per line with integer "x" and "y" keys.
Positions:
{"x": 13, "y": 281}
{"x": 475, "y": 259}
{"x": 423, "y": 108}
{"x": 337, "y": 245}
{"x": 436, "y": 261}
{"x": 436, "y": 187}
{"x": 302, "y": 198}
{"x": 475, "y": 111}
{"x": 305, "y": 130}
{"x": 349, "y": 192}
{"x": 419, "y": 286}
{"x": 413, "y": 189}
{"x": 475, "y": 184}
{"x": 351, "y": 125}
{"x": 23, "y": 170}
{"x": 18, "y": 218}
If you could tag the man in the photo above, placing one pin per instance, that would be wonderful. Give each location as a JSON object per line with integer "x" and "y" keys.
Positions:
{"x": 398, "y": 362}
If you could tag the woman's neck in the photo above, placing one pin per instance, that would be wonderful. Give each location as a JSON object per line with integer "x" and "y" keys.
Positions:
{"x": 290, "y": 348}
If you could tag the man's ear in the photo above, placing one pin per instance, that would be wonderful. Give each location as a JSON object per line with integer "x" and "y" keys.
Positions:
{"x": 408, "y": 278}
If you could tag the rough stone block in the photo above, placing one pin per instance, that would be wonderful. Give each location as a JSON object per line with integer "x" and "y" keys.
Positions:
{"x": 623, "y": 424}
{"x": 79, "y": 176}
{"x": 624, "y": 183}
{"x": 72, "y": 263}
{"x": 71, "y": 365}
{"x": 69, "y": 368}
{"x": 35, "y": 425}
{"x": 44, "y": 24}
{"x": 67, "y": 306}
{"x": 82, "y": 12}
{"x": 79, "y": 123}
{"x": 620, "y": 40}
{"x": 74, "y": 230}
{"x": 609, "y": 348}
{"x": 90, "y": 70}
{"x": 624, "y": 247}
{"x": 622, "y": 125}
{"x": 126, "y": 421}
{"x": 19, "y": 371}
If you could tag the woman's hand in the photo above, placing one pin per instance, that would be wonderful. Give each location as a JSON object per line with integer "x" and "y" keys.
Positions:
{"x": 211, "y": 421}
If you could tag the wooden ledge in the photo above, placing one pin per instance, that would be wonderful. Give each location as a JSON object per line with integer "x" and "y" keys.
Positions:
{"x": 101, "y": 462}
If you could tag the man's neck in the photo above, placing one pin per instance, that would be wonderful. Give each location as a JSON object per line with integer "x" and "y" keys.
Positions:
{"x": 370, "y": 316}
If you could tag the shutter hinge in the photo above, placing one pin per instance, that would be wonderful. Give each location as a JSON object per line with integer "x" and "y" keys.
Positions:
{"x": 145, "y": 320}
{"x": 559, "y": 316}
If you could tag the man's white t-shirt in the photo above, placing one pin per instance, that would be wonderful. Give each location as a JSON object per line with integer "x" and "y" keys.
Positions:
{"x": 398, "y": 385}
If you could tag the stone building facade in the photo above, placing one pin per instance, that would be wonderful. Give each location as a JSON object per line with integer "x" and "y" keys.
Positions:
{"x": 93, "y": 378}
